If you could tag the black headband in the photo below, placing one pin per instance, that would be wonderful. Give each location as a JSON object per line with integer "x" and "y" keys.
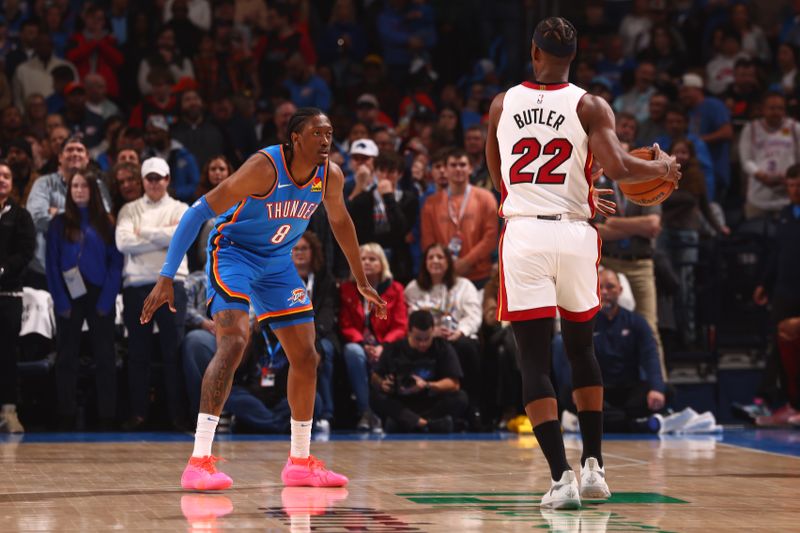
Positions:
{"x": 552, "y": 47}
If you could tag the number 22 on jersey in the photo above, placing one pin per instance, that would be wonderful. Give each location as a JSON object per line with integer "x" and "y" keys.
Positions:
{"x": 530, "y": 149}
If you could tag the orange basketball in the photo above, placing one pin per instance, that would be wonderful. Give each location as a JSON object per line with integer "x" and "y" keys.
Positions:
{"x": 651, "y": 192}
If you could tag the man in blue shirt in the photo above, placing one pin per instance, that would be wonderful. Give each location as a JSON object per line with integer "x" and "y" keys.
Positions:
{"x": 677, "y": 123}
{"x": 710, "y": 120}
{"x": 306, "y": 89}
{"x": 626, "y": 350}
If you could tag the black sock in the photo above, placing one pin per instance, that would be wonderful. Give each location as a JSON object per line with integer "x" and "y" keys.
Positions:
{"x": 592, "y": 434}
{"x": 549, "y": 436}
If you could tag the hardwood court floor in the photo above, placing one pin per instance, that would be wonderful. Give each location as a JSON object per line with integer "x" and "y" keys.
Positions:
{"x": 489, "y": 484}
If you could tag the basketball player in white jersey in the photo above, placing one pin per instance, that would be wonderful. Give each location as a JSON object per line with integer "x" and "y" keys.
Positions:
{"x": 543, "y": 139}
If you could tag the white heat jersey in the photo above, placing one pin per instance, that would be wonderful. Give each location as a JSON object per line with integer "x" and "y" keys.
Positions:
{"x": 544, "y": 152}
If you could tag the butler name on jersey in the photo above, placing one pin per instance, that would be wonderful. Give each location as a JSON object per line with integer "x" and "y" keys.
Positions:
{"x": 545, "y": 159}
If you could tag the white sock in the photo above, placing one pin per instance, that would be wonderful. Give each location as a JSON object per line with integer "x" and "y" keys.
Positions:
{"x": 301, "y": 438}
{"x": 204, "y": 435}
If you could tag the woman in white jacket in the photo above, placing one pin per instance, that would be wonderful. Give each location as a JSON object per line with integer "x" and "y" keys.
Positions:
{"x": 455, "y": 305}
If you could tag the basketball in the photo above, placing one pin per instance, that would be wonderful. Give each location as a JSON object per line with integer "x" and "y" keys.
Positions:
{"x": 652, "y": 192}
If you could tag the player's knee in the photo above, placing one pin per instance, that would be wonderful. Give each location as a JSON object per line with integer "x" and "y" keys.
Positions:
{"x": 232, "y": 344}
{"x": 306, "y": 360}
{"x": 536, "y": 387}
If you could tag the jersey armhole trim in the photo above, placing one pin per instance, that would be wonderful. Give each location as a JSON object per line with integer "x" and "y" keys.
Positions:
{"x": 274, "y": 185}
{"x": 325, "y": 178}
{"x": 577, "y": 112}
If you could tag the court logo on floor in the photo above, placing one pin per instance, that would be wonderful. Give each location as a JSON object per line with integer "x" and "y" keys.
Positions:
{"x": 493, "y": 507}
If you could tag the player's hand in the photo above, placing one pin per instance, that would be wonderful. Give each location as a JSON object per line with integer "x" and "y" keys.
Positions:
{"x": 674, "y": 174}
{"x": 162, "y": 293}
{"x": 760, "y": 296}
{"x": 376, "y": 303}
{"x": 655, "y": 400}
{"x": 604, "y": 207}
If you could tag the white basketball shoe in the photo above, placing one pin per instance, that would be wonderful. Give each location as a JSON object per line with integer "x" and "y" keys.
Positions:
{"x": 593, "y": 481}
{"x": 563, "y": 494}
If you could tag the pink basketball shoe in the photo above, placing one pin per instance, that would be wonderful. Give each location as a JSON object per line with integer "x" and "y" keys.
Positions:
{"x": 310, "y": 472}
{"x": 201, "y": 474}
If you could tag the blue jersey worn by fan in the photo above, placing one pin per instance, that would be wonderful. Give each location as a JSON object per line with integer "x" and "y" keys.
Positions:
{"x": 250, "y": 248}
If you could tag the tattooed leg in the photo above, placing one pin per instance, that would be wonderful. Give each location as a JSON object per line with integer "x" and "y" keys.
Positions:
{"x": 233, "y": 330}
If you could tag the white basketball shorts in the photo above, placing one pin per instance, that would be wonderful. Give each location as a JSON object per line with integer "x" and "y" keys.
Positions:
{"x": 548, "y": 265}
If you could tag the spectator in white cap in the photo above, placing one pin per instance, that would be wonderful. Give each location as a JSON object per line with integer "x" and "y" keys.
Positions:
{"x": 144, "y": 230}
{"x": 710, "y": 120}
{"x": 362, "y": 165}
{"x": 185, "y": 173}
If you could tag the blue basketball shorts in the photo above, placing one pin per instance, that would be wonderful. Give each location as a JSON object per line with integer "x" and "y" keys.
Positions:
{"x": 239, "y": 279}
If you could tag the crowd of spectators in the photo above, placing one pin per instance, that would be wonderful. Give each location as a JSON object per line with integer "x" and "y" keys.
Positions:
{"x": 115, "y": 115}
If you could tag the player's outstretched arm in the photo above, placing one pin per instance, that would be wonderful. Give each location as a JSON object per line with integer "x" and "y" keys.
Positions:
{"x": 255, "y": 176}
{"x": 345, "y": 233}
{"x": 493, "y": 163}
{"x": 598, "y": 121}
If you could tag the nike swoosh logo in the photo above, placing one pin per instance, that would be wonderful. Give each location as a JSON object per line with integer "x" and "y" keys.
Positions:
{"x": 284, "y": 185}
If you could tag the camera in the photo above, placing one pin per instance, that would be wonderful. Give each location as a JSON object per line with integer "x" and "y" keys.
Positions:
{"x": 404, "y": 384}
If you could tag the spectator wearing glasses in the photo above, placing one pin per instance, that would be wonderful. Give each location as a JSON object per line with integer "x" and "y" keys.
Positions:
{"x": 185, "y": 175}
{"x": 144, "y": 230}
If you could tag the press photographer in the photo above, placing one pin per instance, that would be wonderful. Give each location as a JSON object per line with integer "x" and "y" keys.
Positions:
{"x": 416, "y": 383}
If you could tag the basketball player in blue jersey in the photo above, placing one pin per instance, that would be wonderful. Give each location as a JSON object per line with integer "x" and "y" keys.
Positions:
{"x": 263, "y": 209}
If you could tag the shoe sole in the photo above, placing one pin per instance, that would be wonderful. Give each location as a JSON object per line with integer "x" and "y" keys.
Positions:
{"x": 301, "y": 484}
{"x": 562, "y": 505}
{"x": 205, "y": 488}
{"x": 595, "y": 494}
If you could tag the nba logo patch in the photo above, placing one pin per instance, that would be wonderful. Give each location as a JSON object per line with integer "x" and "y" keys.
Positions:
{"x": 316, "y": 185}
{"x": 298, "y": 296}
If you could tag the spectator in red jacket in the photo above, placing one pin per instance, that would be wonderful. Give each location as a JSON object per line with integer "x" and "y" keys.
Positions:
{"x": 95, "y": 50}
{"x": 364, "y": 334}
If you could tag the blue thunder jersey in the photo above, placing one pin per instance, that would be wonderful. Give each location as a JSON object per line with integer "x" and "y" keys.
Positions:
{"x": 272, "y": 224}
